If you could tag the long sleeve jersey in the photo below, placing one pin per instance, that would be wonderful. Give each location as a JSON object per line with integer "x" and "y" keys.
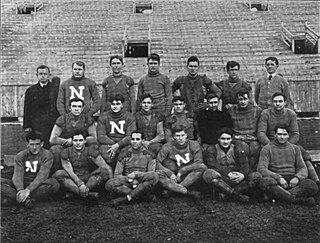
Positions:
{"x": 277, "y": 160}
{"x": 30, "y": 167}
{"x": 194, "y": 90}
{"x": 123, "y": 87}
{"x": 159, "y": 87}
{"x": 245, "y": 121}
{"x": 185, "y": 156}
{"x": 115, "y": 128}
{"x": 265, "y": 88}
{"x": 85, "y": 89}
{"x": 270, "y": 118}
{"x": 230, "y": 88}
{"x": 132, "y": 160}
{"x": 225, "y": 161}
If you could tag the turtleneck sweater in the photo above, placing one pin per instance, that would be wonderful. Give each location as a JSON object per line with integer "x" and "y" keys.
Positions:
{"x": 115, "y": 127}
{"x": 159, "y": 87}
{"x": 83, "y": 88}
{"x": 270, "y": 118}
{"x": 230, "y": 88}
{"x": 278, "y": 160}
{"x": 245, "y": 120}
{"x": 193, "y": 89}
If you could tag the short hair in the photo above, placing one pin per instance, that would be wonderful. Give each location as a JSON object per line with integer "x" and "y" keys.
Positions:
{"x": 178, "y": 128}
{"x": 116, "y": 57}
{"x": 281, "y": 126}
{"x": 178, "y": 98}
{"x": 117, "y": 97}
{"x": 33, "y": 135}
{"x": 145, "y": 96}
{"x": 79, "y": 131}
{"x": 154, "y": 56}
{"x": 243, "y": 92}
{"x": 193, "y": 59}
{"x": 43, "y": 67}
{"x": 226, "y": 130}
{"x": 232, "y": 64}
{"x": 76, "y": 100}
{"x": 79, "y": 63}
{"x": 139, "y": 132}
{"x": 279, "y": 94}
{"x": 211, "y": 96}
{"x": 274, "y": 59}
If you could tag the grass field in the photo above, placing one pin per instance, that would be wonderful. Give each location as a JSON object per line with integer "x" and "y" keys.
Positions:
{"x": 176, "y": 219}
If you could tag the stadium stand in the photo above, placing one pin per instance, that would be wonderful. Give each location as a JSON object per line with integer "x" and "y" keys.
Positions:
{"x": 217, "y": 31}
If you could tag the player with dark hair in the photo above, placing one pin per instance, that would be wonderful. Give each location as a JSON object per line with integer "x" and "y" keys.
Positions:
{"x": 66, "y": 125}
{"x": 271, "y": 83}
{"x": 119, "y": 83}
{"x": 83, "y": 168}
{"x": 194, "y": 87}
{"x": 232, "y": 85}
{"x": 245, "y": 117}
{"x": 180, "y": 164}
{"x": 228, "y": 170}
{"x": 284, "y": 171}
{"x": 157, "y": 85}
{"x": 30, "y": 179}
{"x": 40, "y": 104}
{"x": 179, "y": 117}
{"x": 114, "y": 129}
{"x": 151, "y": 123}
{"x": 135, "y": 175}
{"x": 208, "y": 121}
{"x": 78, "y": 86}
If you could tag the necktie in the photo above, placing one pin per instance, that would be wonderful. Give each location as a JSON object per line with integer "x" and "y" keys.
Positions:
{"x": 270, "y": 77}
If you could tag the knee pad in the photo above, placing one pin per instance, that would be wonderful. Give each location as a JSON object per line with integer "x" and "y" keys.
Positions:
{"x": 171, "y": 165}
{"x": 266, "y": 182}
{"x": 209, "y": 176}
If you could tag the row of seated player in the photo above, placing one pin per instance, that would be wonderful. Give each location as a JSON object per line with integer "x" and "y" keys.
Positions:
{"x": 282, "y": 171}
{"x": 180, "y": 165}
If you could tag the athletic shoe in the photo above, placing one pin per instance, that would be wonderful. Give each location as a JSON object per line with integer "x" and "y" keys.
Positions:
{"x": 194, "y": 194}
{"x": 307, "y": 201}
{"x": 240, "y": 197}
{"x": 222, "y": 196}
{"x": 28, "y": 203}
{"x": 118, "y": 201}
{"x": 165, "y": 194}
{"x": 93, "y": 195}
{"x": 150, "y": 198}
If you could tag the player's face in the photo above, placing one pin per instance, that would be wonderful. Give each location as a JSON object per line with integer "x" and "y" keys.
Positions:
{"x": 153, "y": 66}
{"x": 233, "y": 72}
{"x": 278, "y": 102}
{"x": 213, "y": 103}
{"x": 225, "y": 140}
{"x": 116, "y": 106}
{"x": 77, "y": 71}
{"x": 35, "y": 146}
{"x": 282, "y": 136}
{"x": 78, "y": 142}
{"x": 193, "y": 68}
{"x": 116, "y": 66}
{"x": 76, "y": 108}
{"x": 271, "y": 66}
{"x": 179, "y": 106}
{"x": 136, "y": 140}
{"x": 243, "y": 101}
{"x": 146, "y": 104}
{"x": 180, "y": 137}
{"x": 43, "y": 75}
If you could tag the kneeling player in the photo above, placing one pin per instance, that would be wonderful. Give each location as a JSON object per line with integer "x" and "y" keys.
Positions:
{"x": 229, "y": 170}
{"x": 180, "y": 164}
{"x": 135, "y": 174}
{"x": 30, "y": 177}
{"x": 80, "y": 174}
